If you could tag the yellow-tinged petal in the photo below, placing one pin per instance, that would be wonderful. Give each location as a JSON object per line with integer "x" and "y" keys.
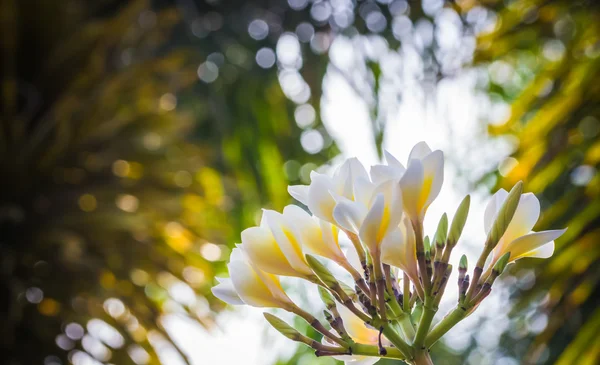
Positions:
{"x": 356, "y": 328}
{"x": 320, "y": 201}
{"x": 371, "y": 228}
{"x": 534, "y": 244}
{"x": 526, "y": 215}
{"x": 349, "y": 215}
{"x": 411, "y": 184}
{"x": 254, "y": 287}
{"x": 289, "y": 241}
{"x": 433, "y": 178}
{"x": 398, "y": 249}
{"x": 263, "y": 250}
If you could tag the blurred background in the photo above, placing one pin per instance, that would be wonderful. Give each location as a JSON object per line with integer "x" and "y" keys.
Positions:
{"x": 138, "y": 138}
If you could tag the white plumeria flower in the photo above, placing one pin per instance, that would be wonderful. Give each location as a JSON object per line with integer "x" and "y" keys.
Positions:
{"x": 321, "y": 196}
{"x": 279, "y": 256}
{"x": 422, "y": 181}
{"x": 316, "y": 236}
{"x": 392, "y": 170}
{"x": 398, "y": 249}
{"x": 519, "y": 239}
{"x": 361, "y": 333}
{"x": 250, "y": 285}
{"x": 372, "y": 219}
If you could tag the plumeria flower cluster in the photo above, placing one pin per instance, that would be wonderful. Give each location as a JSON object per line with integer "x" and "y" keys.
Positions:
{"x": 399, "y": 274}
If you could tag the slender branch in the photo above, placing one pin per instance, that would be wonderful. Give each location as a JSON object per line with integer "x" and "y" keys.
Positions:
{"x": 451, "y": 319}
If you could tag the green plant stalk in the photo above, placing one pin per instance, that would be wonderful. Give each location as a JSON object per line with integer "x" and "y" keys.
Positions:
{"x": 370, "y": 350}
{"x": 380, "y": 284}
{"x": 425, "y": 322}
{"x": 406, "y": 325}
{"x": 455, "y": 316}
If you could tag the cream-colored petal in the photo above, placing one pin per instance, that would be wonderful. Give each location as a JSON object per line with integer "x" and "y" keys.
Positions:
{"x": 289, "y": 241}
{"x": 419, "y": 151}
{"x": 349, "y": 215}
{"x": 394, "y": 163}
{"x": 530, "y": 245}
{"x": 225, "y": 291}
{"x": 249, "y": 285}
{"x": 370, "y": 232}
{"x": 327, "y": 244}
{"x": 320, "y": 200}
{"x": 526, "y": 216}
{"x": 393, "y": 204}
{"x": 263, "y": 250}
{"x": 363, "y": 191}
{"x": 411, "y": 184}
{"x": 381, "y": 173}
{"x": 356, "y": 328}
{"x": 492, "y": 209}
{"x": 299, "y": 192}
{"x": 433, "y": 177}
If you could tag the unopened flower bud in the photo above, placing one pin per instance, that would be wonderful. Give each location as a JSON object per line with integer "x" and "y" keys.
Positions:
{"x": 505, "y": 215}
{"x": 441, "y": 234}
{"x": 326, "y": 297}
{"x": 286, "y": 330}
{"x": 501, "y": 263}
{"x": 322, "y": 272}
{"x": 458, "y": 221}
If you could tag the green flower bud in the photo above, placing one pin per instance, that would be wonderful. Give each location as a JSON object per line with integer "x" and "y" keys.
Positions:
{"x": 505, "y": 215}
{"x": 286, "y": 330}
{"x": 501, "y": 263}
{"x": 459, "y": 220}
{"x": 463, "y": 265}
{"x": 442, "y": 232}
{"x": 427, "y": 244}
{"x": 322, "y": 272}
{"x": 326, "y": 297}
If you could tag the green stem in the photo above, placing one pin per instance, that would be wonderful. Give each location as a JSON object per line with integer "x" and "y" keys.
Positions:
{"x": 395, "y": 339}
{"x": 369, "y": 350}
{"x": 424, "y": 323}
{"x": 455, "y": 316}
{"x": 407, "y": 326}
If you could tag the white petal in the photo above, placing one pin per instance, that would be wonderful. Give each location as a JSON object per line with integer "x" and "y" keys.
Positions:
{"x": 320, "y": 200}
{"x": 433, "y": 168}
{"x": 369, "y": 232}
{"x": 363, "y": 190}
{"x": 381, "y": 173}
{"x": 492, "y": 209}
{"x": 526, "y": 216}
{"x": 249, "y": 286}
{"x": 299, "y": 192}
{"x": 419, "y": 151}
{"x": 349, "y": 215}
{"x": 356, "y": 328}
{"x": 411, "y": 184}
{"x": 394, "y": 163}
{"x": 288, "y": 240}
{"x": 226, "y": 292}
{"x": 531, "y": 244}
{"x": 393, "y": 203}
{"x": 263, "y": 250}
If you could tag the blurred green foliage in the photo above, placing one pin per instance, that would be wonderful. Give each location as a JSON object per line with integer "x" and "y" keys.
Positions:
{"x": 551, "y": 50}
{"x": 126, "y": 178}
